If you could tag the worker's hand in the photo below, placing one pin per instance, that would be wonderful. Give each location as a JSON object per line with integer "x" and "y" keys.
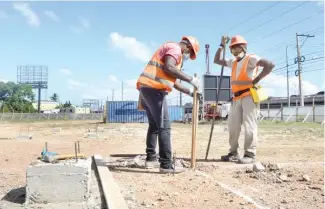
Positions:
{"x": 195, "y": 82}
{"x": 224, "y": 40}
{"x": 198, "y": 93}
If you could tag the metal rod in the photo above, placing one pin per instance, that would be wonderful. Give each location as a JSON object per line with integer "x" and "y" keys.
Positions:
{"x": 46, "y": 147}
{"x": 215, "y": 108}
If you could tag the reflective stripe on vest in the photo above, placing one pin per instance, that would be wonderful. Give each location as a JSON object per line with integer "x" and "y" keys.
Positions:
{"x": 156, "y": 64}
{"x": 154, "y": 75}
{"x": 160, "y": 80}
{"x": 241, "y": 82}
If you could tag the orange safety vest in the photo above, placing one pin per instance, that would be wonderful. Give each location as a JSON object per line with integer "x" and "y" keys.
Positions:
{"x": 154, "y": 75}
{"x": 243, "y": 81}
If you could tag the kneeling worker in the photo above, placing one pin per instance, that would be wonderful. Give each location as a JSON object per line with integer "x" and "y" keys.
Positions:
{"x": 243, "y": 111}
{"x": 155, "y": 82}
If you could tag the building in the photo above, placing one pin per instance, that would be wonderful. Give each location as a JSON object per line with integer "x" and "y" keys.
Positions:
{"x": 46, "y": 105}
{"x": 277, "y": 102}
{"x": 75, "y": 110}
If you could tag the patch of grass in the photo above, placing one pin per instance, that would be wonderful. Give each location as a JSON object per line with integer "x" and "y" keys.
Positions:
{"x": 281, "y": 124}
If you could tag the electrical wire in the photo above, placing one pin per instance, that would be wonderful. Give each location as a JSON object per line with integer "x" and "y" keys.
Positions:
{"x": 288, "y": 26}
{"x": 280, "y": 15}
{"x": 246, "y": 20}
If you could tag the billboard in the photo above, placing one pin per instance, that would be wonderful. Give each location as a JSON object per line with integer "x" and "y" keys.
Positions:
{"x": 210, "y": 84}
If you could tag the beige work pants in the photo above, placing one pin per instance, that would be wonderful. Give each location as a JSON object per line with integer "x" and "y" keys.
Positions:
{"x": 243, "y": 112}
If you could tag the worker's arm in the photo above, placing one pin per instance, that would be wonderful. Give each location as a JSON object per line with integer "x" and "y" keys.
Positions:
{"x": 170, "y": 68}
{"x": 267, "y": 68}
{"x": 217, "y": 58}
{"x": 178, "y": 86}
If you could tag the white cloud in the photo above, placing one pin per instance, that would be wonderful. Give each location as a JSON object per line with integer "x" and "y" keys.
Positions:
{"x": 132, "y": 48}
{"x": 66, "y": 71}
{"x": 276, "y": 85}
{"x": 83, "y": 25}
{"x": 52, "y": 16}
{"x": 112, "y": 78}
{"x": 3, "y": 15}
{"x": 25, "y": 10}
{"x": 84, "y": 22}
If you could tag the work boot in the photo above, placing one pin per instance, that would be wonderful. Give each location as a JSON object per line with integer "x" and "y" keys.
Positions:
{"x": 231, "y": 157}
{"x": 170, "y": 169}
{"x": 152, "y": 164}
{"x": 246, "y": 159}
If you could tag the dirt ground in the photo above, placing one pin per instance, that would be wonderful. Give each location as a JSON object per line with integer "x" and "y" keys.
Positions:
{"x": 298, "y": 149}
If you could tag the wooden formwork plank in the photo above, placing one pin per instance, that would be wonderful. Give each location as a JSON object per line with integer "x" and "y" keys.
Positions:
{"x": 112, "y": 193}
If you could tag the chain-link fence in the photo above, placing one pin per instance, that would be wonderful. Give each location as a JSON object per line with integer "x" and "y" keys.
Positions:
{"x": 313, "y": 114}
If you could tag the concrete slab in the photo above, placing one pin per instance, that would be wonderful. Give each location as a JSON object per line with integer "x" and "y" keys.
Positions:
{"x": 15, "y": 198}
{"x": 66, "y": 181}
{"x": 112, "y": 193}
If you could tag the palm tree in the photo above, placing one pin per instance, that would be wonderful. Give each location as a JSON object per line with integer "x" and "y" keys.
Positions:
{"x": 55, "y": 97}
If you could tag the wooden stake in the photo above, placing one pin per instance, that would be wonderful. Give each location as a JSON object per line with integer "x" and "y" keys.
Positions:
{"x": 75, "y": 151}
{"x": 194, "y": 127}
{"x": 78, "y": 147}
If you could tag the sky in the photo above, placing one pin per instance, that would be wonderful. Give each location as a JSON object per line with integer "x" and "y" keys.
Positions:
{"x": 90, "y": 48}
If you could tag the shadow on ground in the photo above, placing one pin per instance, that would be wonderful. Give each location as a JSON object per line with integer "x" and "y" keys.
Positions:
{"x": 17, "y": 195}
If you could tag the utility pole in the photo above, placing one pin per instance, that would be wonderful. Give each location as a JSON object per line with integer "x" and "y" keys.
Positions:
{"x": 288, "y": 92}
{"x": 122, "y": 91}
{"x": 302, "y": 103}
{"x": 112, "y": 94}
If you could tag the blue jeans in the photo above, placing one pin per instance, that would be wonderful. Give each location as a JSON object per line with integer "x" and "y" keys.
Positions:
{"x": 155, "y": 104}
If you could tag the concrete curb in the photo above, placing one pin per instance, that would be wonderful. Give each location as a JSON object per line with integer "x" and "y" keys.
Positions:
{"x": 112, "y": 193}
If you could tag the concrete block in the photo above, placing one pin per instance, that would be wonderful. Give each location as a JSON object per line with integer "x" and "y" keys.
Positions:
{"x": 66, "y": 181}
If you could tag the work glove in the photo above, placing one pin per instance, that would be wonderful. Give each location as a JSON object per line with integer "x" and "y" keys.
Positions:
{"x": 224, "y": 41}
{"x": 198, "y": 93}
{"x": 195, "y": 82}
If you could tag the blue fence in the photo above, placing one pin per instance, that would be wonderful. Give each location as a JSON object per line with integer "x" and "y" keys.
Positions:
{"x": 126, "y": 112}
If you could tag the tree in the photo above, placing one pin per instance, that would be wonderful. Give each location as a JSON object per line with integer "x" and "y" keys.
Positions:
{"x": 55, "y": 97}
{"x": 67, "y": 104}
{"x": 16, "y": 97}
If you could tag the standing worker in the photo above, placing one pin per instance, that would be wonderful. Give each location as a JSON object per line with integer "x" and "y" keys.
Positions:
{"x": 155, "y": 82}
{"x": 244, "y": 111}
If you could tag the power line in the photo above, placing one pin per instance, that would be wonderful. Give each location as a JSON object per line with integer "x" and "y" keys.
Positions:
{"x": 288, "y": 26}
{"x": 318, "y": 69}
{"x": 254, "y": 15}
{"x": 281, "y": 68}
{"x": 270, "y": 20}
{"x": 293, "y": 24}
{"x": 312, "y": 70}
{"x": 290, "y": 41}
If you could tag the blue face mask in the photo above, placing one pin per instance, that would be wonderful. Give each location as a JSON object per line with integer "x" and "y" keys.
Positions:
{"x": 186, "y": 56}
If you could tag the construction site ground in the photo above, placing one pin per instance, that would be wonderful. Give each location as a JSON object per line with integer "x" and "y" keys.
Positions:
{"x": 297, "y": 149}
